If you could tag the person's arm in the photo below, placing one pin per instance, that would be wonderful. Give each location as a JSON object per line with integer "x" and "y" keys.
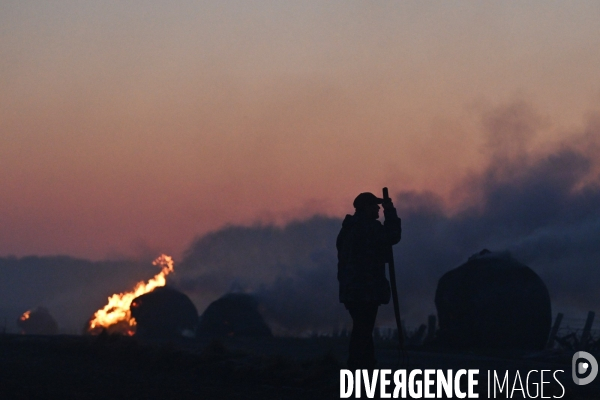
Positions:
{"x": 392, "y": 224}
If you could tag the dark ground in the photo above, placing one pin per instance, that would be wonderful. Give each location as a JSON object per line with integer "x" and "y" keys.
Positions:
{"x": 114, "y": 367}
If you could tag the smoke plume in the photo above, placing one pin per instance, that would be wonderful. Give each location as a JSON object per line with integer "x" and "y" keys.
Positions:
{"x": 541, "y": 205}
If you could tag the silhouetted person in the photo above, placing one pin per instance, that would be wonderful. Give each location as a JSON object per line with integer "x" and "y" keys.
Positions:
{"x": 363, "y": 244}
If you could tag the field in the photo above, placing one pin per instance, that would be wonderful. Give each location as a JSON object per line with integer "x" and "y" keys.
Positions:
{"x": 116, "y": 367}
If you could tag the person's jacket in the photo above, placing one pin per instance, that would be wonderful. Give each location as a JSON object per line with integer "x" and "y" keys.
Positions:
{"x": 363, "y": 246}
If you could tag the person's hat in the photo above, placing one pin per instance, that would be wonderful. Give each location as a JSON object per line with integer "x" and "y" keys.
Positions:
{"x": 366, "y": 199}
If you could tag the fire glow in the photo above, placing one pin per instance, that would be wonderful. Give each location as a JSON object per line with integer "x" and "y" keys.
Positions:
{"x": 25, "y": 315}
{"x": 116, "y": 316}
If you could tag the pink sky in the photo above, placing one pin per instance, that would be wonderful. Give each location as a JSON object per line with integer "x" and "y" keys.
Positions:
{"x": 135, "y": 126}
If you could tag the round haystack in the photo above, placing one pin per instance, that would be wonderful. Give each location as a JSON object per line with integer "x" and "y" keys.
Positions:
{"x": 164, "y": 313}
{"x": 37, "y": 322}
{"x": 493, "y": 301}
{"x": 234, "y": 314}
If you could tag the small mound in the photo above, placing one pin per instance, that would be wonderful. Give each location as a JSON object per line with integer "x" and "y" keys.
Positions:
{"x": 234, "y": 314}
{"x": 164, "y": 313}
{"x": 37, "y": 322}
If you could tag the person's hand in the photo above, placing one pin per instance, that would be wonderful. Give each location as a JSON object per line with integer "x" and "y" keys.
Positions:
{"x": 388, "y": 205}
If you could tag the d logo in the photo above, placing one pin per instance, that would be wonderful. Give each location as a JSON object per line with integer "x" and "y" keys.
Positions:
{"x": 582, "y": 368}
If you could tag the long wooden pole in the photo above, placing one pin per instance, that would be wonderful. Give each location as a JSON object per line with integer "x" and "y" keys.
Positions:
{"x": 386, "y": 197}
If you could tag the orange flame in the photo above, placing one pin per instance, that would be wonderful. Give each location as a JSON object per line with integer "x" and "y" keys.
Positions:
{"x": 25, "y": 315}
{"x": 117, "y": 312}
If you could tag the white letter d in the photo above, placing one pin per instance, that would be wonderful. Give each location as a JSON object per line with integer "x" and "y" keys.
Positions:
{"x": 346, "y": 374}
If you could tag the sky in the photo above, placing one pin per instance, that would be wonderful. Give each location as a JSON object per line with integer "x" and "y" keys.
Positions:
{"x": 133, "y": 127}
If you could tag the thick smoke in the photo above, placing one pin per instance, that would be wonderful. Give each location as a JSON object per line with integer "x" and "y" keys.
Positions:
{"x": 541, "y": 204}
{"x": 291, "y": 269}
{"x": 544, "y": 207}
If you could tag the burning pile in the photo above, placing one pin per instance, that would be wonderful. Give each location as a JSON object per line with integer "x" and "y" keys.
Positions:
{"x": 116, "y": 317}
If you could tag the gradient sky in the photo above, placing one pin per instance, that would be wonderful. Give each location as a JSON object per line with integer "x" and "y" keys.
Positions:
{"x": 133, "y": 126}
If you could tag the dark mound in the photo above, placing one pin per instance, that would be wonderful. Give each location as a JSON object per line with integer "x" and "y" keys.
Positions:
{"x": 235, "y": 314}
{"x": 164, "y": 313}
{"x": 37, "y": 322}
{"x": 493, "y": 301}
